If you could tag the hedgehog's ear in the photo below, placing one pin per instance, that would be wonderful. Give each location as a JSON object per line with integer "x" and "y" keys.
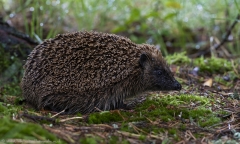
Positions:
{"x": 143, "y": 60}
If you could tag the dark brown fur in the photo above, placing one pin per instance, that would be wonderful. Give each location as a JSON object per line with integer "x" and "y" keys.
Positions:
{"x": 82, "y": 71}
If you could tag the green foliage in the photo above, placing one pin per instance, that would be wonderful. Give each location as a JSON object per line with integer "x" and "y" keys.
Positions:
{"x": 209, "y": 121}
{"x": 172, "y": 131}
{"x": 154, "y": 22}
{"x": 178, "y": 58}
{"x": 213, "y": 65}
{"x": 8, "y": 110}
{"x": 231, "y": 77}
{"x": 12, "y": 88}
{"x": 183, "y": 127}
{"x": 42, "y": 12}
{"x": 10, "y": 73}
{"x": 14, "y": 130}
{"x": 5, "y": 59}
{"x": 142, "y": 138}
{"x": 10, "y": 129}
{"x": 209, "y": 65}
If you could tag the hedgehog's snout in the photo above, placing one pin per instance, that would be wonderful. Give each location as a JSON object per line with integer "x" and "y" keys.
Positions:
{"x": 177, "y": 86}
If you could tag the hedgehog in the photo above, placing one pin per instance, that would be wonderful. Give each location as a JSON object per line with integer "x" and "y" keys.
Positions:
{"x": 82, "y": 72}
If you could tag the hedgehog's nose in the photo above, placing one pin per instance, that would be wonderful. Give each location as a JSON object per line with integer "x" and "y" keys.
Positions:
{"x": 177, "y": 86}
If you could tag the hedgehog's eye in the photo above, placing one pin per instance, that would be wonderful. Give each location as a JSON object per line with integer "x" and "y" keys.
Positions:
{"x": 158, "y": 72}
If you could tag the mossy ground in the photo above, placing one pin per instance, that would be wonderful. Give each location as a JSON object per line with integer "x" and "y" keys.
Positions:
{"x": 164, "y": 108}
{"x": 13, "y": 129}
{"x": 194, "y": 113}
{"x": 159, "y": 110}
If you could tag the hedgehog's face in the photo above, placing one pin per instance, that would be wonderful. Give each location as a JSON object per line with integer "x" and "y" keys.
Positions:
{"x": 157, "y": 75}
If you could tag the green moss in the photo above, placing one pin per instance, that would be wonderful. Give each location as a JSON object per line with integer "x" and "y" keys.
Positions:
{"x": 209, "y": 121}
{"x": 156, "y": 130}
{"x": 79, "y": 114}
{"x": 8, "y": 109}
{"x": 178, "y": 58}
{"x": 142, "y": 137}
{"x": 222, "y": 112}
{"x": 166, "y": 141}
{"x": 10, "y": 129}
{"x": 198, "y": 135}
{"x": 210, "y": 65}
{"x": 26, "y": 131}
{"x": 167, "y": 108}
{"x": 90, "y": 140}
{"x": 104, "y": 117}
{"x": 182, "y": 127}
{"x": 2, "y": 108}
{"x": 213, "y": 64}
{"x": 200, "y": 112}
{"x": 181, "y": 99}
{"x": 193, "y": 98}
{"x": 12, "y": 88}
{"x": 11, "y": 71}
{"x": 172, "y": 131}
{"x": 18, "y": 100}
{"x": 124, "y": 127}
{"x": 113, "y": 139}
{"x": 163, "y": 111}
{"x": 229, "y": 83}
{"x": 5, "y": 59}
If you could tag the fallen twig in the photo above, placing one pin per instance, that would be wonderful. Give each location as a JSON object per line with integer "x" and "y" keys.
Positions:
{"x": 189, "y": 133}
{"x": 60, "y": 133}
{"x": 137, "y": 129}
{"x": 38, "y": 118}
{"x": 72, "y": 118}
{"x": 58, "y": 113}
{"x": 133, "y": 135}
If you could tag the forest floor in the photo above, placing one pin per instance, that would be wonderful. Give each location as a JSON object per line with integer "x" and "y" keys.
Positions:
{"x": 206, "y": 110}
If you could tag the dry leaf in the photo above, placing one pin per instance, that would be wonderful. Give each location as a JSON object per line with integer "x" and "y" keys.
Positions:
{"x": 208, "y": 82}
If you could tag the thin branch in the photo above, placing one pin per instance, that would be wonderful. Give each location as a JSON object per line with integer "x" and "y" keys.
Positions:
{"x": 71, "y": 118}
{"x": 225, "y": 39}
{"x": 38, "y": 118}
{"x": 228, "y": 33}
